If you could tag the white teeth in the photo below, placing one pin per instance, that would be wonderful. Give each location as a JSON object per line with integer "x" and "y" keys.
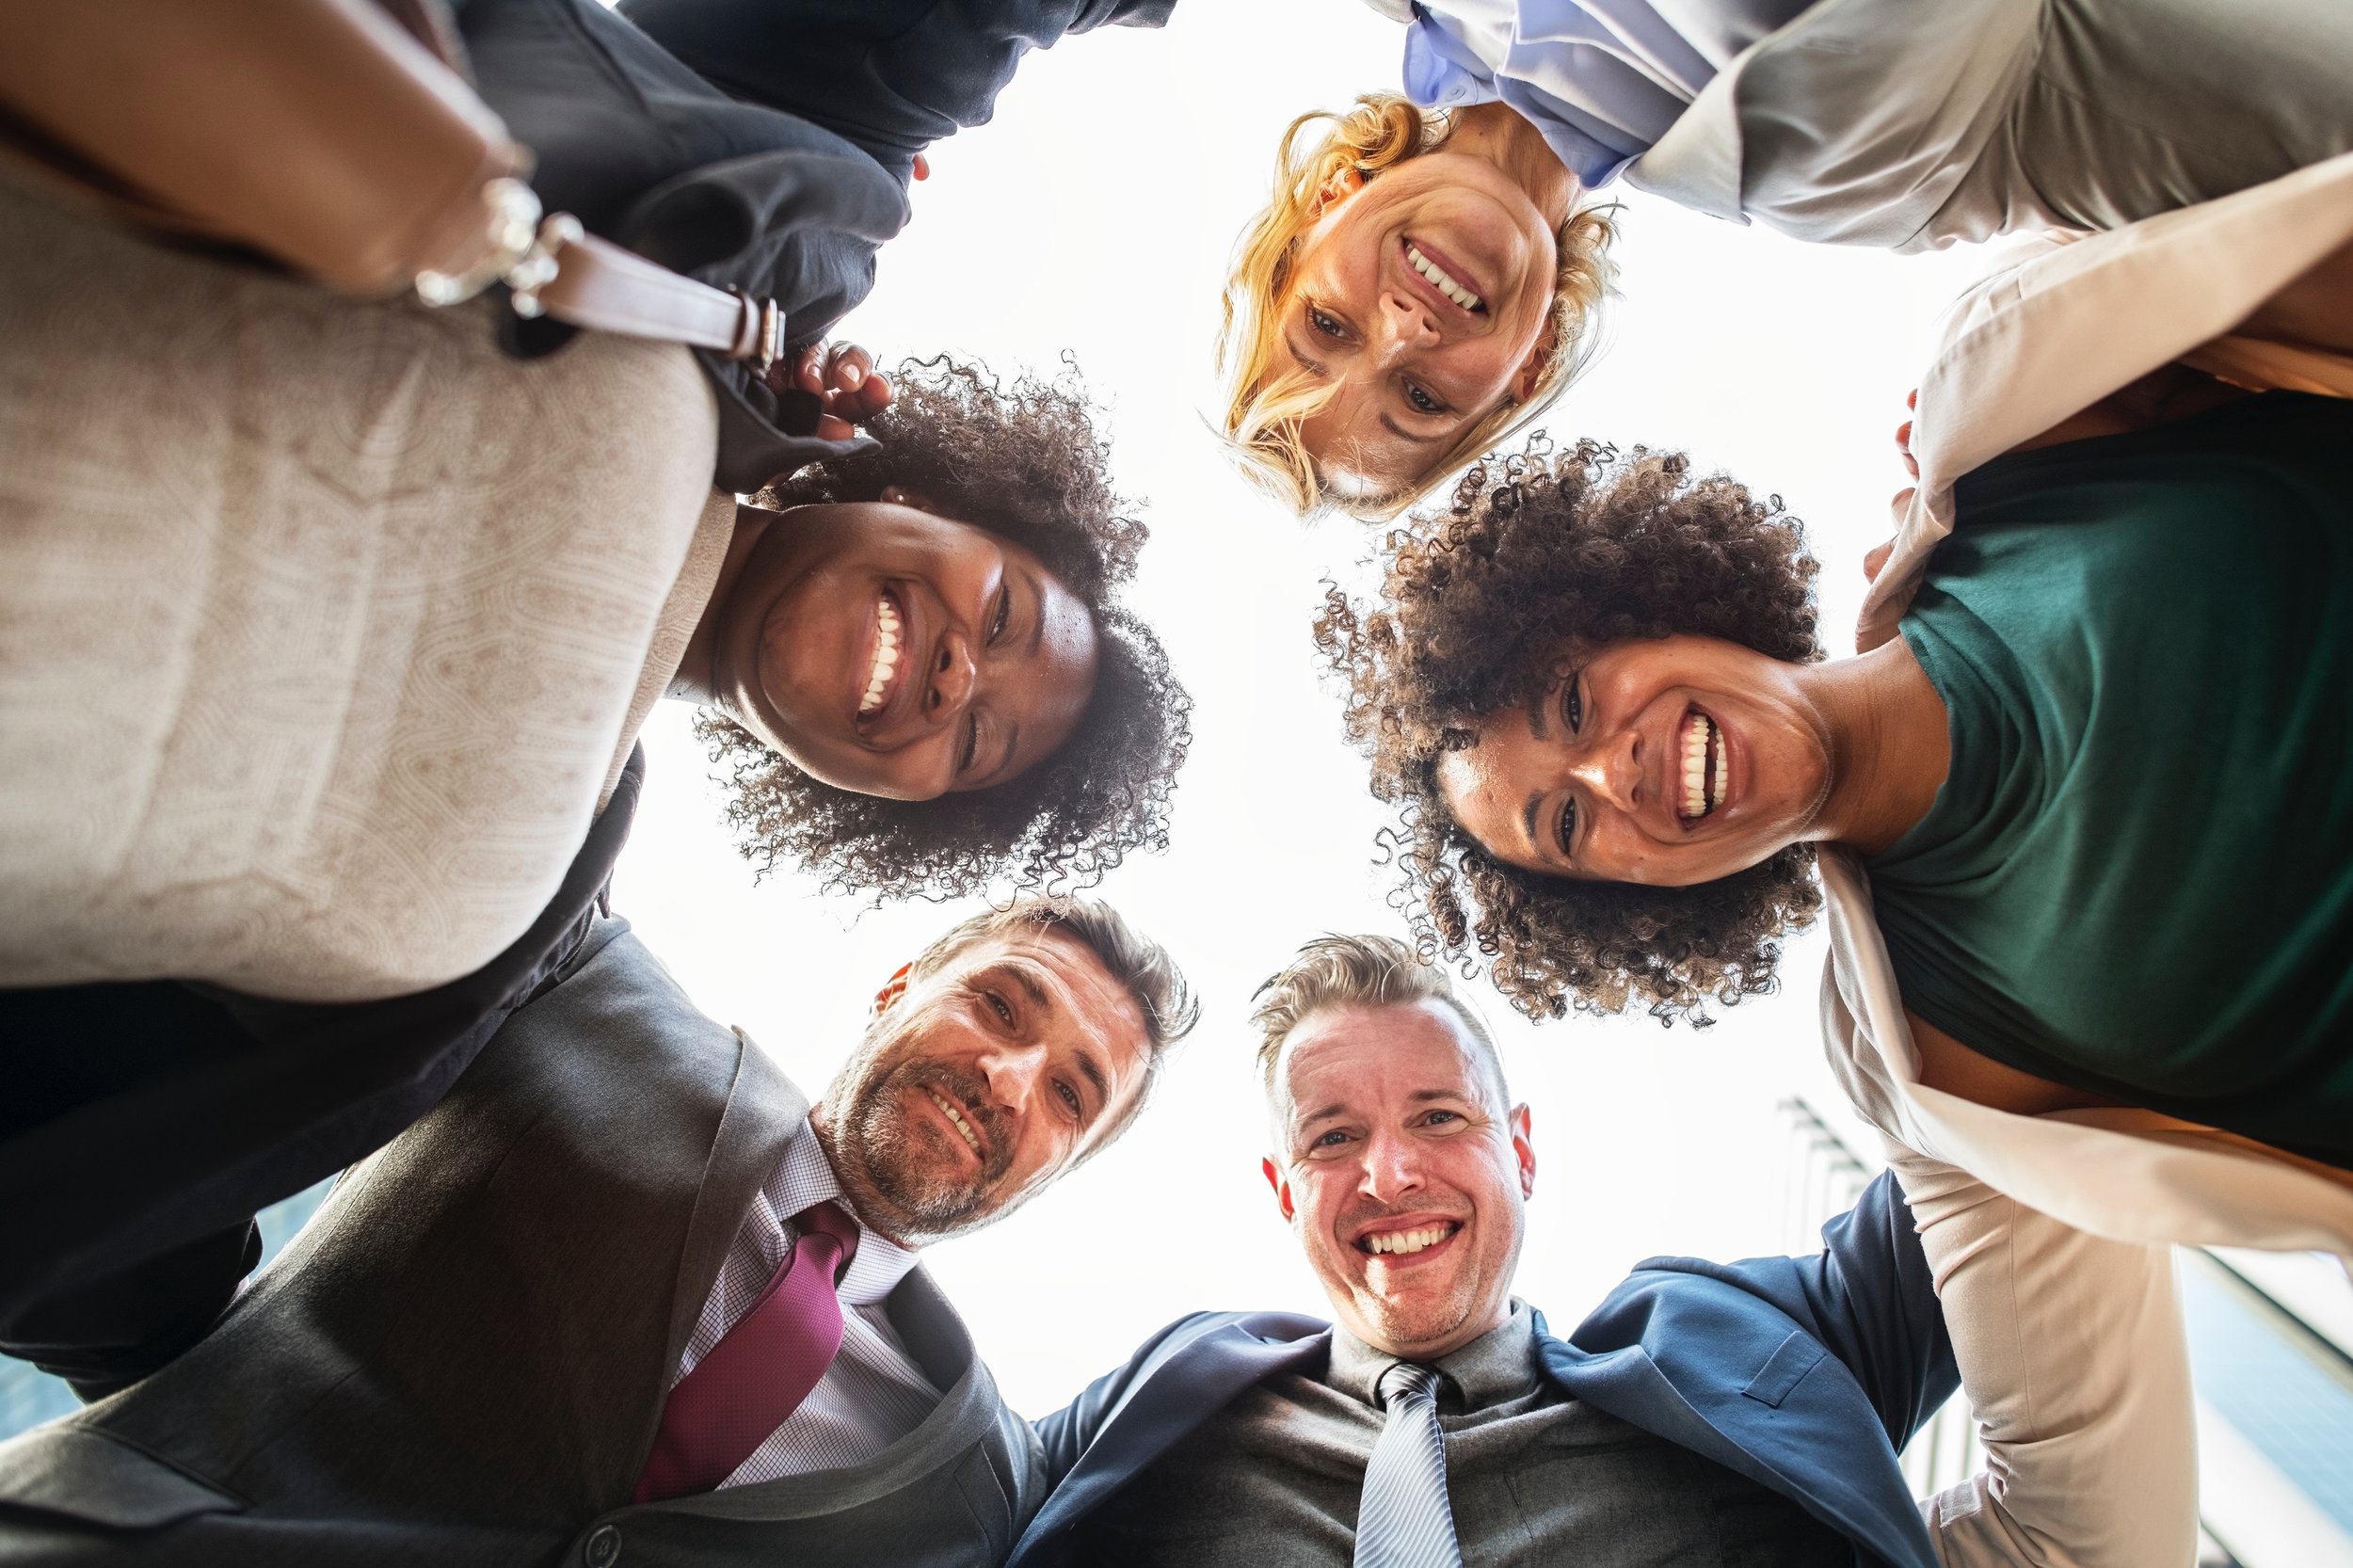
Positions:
{"x": 1408, "y": 1240}
{"x": 1445, "y": 284}
{"x": 886, "y": 657}
{"x": 1698, "y": 798}
{"x": 957, "y": 1117}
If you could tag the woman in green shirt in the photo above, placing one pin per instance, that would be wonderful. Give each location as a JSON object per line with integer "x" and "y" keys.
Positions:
{"x": 2101, "y": 781}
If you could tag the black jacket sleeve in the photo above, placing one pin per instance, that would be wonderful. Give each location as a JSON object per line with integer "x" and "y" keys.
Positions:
{"x": 892, "y": 76}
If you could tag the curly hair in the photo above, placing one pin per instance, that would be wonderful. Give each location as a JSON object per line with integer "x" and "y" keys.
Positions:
{"x": 1541, "y": 551}
{"x": 1024, "y": 462}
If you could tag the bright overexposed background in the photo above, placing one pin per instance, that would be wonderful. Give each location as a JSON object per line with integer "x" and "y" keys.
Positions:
{"x": 1095, "y": 216}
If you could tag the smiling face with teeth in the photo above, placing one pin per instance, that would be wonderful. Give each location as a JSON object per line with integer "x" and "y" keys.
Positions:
{"x": 1424, "y": 298}
{"x": 981, "y": 1082}
{"x": 1669, "y": 762}
{"x": 885, "y": 650}
{"x": 1404, "y": 1171}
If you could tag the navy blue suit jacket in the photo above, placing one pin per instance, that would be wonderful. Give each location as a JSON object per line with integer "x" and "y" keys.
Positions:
{"x": 1806, "y": 1374}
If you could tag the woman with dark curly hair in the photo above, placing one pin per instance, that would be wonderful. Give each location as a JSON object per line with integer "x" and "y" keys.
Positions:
{"x": 913, "y": 656}
{"x": 2096, "y": 880}
{"x": 917, "y": 669}
{"x": 1595, "y": 685}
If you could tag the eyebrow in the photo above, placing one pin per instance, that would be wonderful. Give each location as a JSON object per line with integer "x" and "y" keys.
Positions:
{"x": 1419, "y": 1097}
{"x": 1013, "y": 743}
{"x": 1089, "y": 1068}
{"x": 1093, "y": 1071}
{"x": 1029, "y": 987}
{"x": 1037, "y": 612}
{"x": 1535, "y": 804}
{"x": 1404, "y": 434}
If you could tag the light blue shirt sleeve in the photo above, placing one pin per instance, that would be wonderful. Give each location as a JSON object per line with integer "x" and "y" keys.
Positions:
{"x": 1441, "y": 73}
{"x": 1600, "y": 80}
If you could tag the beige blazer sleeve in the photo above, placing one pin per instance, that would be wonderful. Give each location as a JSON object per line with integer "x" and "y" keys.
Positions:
{"x": 2045, "y": 336}
{"x": 2072, "y": 1356}
{"x": 2066, "y": 323}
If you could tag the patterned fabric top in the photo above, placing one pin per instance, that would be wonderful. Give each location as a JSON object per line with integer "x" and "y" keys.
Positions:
{"x": 312, "y": 680}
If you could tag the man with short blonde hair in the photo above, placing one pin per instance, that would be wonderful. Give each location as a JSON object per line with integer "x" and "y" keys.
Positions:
{"x": 1356, "y": 972}
{"x": 1703, "y": 1412}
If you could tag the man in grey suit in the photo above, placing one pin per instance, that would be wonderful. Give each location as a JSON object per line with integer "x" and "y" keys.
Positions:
{"x": 1748, "y": 1412}
{"x": 625, "y": 1296}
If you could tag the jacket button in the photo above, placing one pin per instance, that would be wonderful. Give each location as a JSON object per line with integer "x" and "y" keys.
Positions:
{"x": 602, "y": 1549}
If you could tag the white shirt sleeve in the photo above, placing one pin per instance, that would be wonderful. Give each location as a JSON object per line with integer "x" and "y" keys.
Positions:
{"x": 2073, "y": 1358}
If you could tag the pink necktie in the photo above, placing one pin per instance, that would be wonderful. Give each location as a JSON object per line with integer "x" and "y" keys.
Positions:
{"x": 761, "y": 1369}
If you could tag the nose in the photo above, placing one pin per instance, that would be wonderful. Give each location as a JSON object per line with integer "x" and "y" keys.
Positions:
{"x": 1609, "y": 769}
{"x": 1392, "y": 1168}
{"x": 1013, "y": 1071}
{"x": 952, "y": 676}
{"x": 1405, "y": 324}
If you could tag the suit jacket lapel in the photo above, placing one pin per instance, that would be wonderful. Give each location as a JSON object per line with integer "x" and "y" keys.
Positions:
{"x": 764, "y": 1113}
{"x": 930, "y": 1328}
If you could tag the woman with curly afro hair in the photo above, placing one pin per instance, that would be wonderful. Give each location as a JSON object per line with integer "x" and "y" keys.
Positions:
{"x": 917, "y": 668}
{"x": 2096, "y": 786}
{"x": 1541, "y": 554}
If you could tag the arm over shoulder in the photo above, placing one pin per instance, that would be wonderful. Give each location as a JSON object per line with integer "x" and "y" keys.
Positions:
{"x": 892, "y": 76}
{"x": 1065, "y": 1433}
{"x": 1872, "y": 1299}
{"x": 2070, "y": 1348}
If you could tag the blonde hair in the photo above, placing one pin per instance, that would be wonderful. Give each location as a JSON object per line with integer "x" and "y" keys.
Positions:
{"x": 1358, "y": 971}
{"x": 1266, "y": 406}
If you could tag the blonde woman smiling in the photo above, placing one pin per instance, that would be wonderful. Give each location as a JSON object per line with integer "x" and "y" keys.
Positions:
{"x": 1879, "y": 123}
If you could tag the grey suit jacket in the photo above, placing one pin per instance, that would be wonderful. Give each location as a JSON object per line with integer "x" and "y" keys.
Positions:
{"x": 463, "y": 1359}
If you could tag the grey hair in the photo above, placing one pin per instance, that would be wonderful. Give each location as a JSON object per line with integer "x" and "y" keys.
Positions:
{"x": 1141, "y": 966}
{"x": 1334, "y": 970}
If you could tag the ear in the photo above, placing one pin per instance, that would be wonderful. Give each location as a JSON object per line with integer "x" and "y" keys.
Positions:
{"x": 893, "y": 988}
{"x": 1282, "y": 1188}
{"x": 1344, "y": 181}
{"x": 1524, "y": 1151}
{"x": 899, "y": 495}
{"x": 1531, "y": 371}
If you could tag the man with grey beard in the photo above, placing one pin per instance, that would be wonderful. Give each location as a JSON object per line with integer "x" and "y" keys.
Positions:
{"x": 626, "y": 1295}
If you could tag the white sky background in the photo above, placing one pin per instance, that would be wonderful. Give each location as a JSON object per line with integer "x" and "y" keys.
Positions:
{"x": 1095, "y": 214}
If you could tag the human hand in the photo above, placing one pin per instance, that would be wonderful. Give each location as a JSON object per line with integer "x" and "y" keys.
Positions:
{"x": 1903, "y": 437}
{"x": 842, "y": 376}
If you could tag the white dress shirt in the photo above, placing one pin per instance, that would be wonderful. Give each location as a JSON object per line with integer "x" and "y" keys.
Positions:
{"x": 873, "y": 1394}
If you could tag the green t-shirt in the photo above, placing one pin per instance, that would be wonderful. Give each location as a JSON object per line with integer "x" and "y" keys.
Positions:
{"x": 2138, "y": 878}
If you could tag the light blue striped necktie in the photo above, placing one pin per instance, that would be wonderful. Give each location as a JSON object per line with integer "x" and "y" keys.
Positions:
{"x": 1404, "y": 1519}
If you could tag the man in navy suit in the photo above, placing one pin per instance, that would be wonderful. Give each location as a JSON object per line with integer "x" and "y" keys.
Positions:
{"x": 1705, "y": 1413}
